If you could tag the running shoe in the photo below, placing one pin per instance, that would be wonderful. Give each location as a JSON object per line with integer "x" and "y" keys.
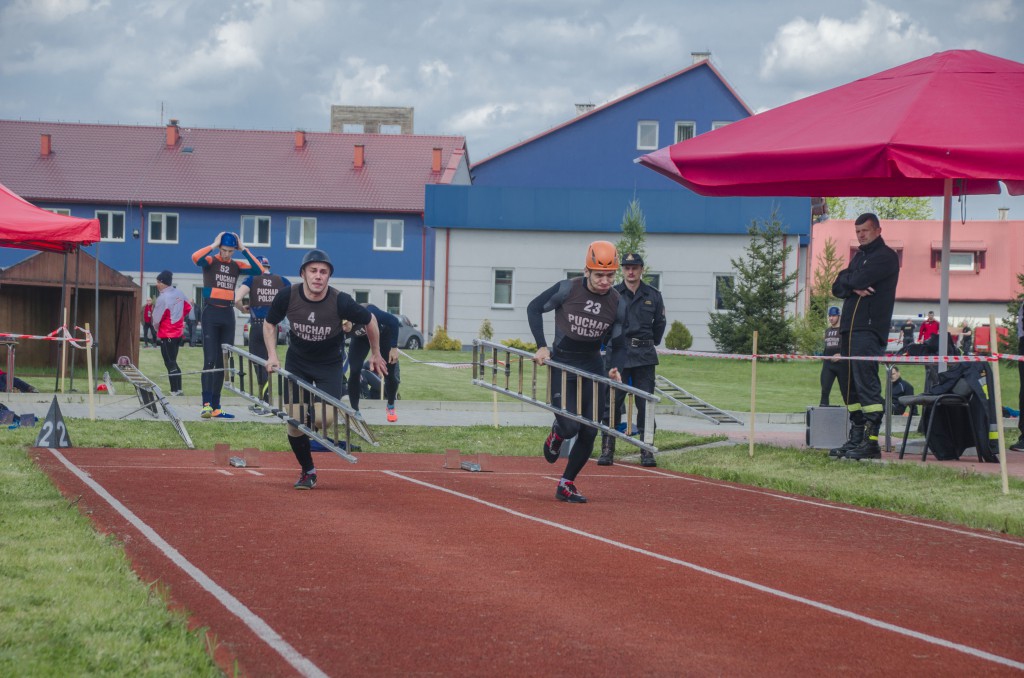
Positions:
{"x": 392, "y": 415}
{"x": 552, "y": 446}
{"x": 307, "y": 481}
{"x": 221, "y": 414}
{"x": 259, "y": 410}
{"x": 568, "y": 492}
{"x": 207, "y": 411}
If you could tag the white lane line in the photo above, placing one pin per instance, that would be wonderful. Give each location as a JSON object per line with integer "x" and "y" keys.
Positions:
{"x": 262, "y": 630}
{"x": 223, "y": 472}
{"x": 253, "y": 472}
{"x": 834, "y": 507}
{"x": 941, "y": 642}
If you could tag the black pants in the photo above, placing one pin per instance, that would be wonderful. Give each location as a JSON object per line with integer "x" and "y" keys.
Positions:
{"x": 169, "y": 352}
{"x": 258, "y": 347}
{"x": 149, "y": 334}
{"x": 640, "y": 377}
{"x": 829, "y": 375}
{"x": 567, "y": 428}
{"x": 858, "y": 379}
{"x": 1020, "y": 371}
{"x": 358, "y": 349}
{"x": 218, "y": 328}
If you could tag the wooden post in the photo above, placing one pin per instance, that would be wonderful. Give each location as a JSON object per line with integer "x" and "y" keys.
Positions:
{"x": 994, "y": 365}
{"x": 92, "y": 386}
{"x": 753, "y": 395}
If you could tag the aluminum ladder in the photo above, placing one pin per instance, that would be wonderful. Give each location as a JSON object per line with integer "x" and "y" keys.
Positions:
{"x": 682, "y": 399}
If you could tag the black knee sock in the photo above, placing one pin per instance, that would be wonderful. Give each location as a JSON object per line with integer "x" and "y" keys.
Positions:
{"x": 300, "y": 446}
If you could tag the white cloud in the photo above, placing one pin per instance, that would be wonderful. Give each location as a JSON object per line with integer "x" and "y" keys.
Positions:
{"x": 836, "y": 49}
{"x": 50, "y": 11}
{"x": 357, "y": 82}
{"x": 996, "y": 11}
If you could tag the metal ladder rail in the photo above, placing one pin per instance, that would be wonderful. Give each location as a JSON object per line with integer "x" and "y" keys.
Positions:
{"x": 665, "y": 388}
{"x": 149, "y": 395}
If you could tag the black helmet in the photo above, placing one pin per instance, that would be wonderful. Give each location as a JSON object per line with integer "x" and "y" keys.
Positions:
{"x": 316, "y": 256}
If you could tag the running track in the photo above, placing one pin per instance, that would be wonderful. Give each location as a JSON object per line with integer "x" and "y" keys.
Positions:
{"x": 395, "y": 566}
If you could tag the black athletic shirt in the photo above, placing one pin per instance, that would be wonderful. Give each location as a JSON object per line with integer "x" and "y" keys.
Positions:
{"x": 584, "y": 320}
{"x": 316, "y": 334}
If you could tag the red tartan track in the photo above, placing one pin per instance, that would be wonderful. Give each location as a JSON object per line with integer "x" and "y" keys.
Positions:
{"x": 396, "y": 566}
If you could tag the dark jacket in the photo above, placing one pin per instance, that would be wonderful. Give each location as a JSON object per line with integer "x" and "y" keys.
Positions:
{"x": 875, "y": 265}
{"x": 645, "y": 323}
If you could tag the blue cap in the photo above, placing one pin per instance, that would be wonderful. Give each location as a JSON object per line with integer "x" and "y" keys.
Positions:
{"x": 265, "y": 262}
{"x": 833, "y": 310}
{"x": 229, "y": 240}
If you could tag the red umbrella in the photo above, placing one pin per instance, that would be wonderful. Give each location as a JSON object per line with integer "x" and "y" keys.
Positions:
{"x": 949, "y": 123}
{"x": 25, "y": 226}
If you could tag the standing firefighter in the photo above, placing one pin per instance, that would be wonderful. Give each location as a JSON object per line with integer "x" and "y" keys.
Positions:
{"x": 868, "y": 288}
{"x": 587, "y": 314}
{"x": 645, "y": 327}
{"x": 315, "y": 312}
{"x": 261, "y": 290}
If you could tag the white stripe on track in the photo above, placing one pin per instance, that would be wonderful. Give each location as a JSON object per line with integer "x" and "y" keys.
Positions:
{"x": 834, "y": 507}
{"x": 259, "y": 627}
{"x": 917, "y": 635}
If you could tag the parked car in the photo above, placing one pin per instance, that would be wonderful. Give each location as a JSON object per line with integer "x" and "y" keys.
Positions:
{"x": 282, "y": 332}
{"x": 408, "y": 335}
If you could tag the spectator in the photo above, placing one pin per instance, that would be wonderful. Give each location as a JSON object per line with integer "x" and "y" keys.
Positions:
{"x": 360, "y": 347}
{"x": 966, "y": 340}
{"x": 190, "y": 325}
{"x": 148, "y": 332}
{"x": 899, "y": 387}
{"x": 169, "y": 312}
{"x": 908, "y": 334}
{"x": 830, "y": 368}
{"x": 929, "y": 328}
{"x": 261, "y": 290}
{"x": 18, "y": 384}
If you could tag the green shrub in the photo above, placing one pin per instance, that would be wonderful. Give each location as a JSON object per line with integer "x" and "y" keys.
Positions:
{"x": 520, "y": 344}
{"x": 486, "y": 330}
{"x": 678, "y": 338}
{"x": 809, "y": 333}
{"x": 442, "y": 342}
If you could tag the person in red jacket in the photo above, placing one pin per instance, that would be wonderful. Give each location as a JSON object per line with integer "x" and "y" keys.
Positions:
{"x": 169, "y": 315}
{"x": 148, "y": 333}
{"x": 929, "y": 328}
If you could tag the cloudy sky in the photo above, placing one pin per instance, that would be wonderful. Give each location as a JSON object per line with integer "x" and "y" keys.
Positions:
{"x": 494, "y": 72}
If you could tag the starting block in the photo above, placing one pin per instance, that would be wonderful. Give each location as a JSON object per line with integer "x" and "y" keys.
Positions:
{"x": 224, "y": 456}
{"x": 454, "y": 460}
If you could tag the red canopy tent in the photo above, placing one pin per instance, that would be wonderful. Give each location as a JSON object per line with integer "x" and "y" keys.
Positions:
{"x": 25, "y": 226}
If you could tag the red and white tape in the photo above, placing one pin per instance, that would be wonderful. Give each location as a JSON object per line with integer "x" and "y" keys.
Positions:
{"x": 59, "y": 334}
{"x": 921, "y": 359}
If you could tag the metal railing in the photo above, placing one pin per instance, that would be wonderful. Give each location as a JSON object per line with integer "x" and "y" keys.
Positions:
{"x": 508, "y": 375}
{"x": 295, "y": 401}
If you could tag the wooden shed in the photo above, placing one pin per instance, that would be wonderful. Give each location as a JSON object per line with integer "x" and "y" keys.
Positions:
{"x": 30, "y": 303}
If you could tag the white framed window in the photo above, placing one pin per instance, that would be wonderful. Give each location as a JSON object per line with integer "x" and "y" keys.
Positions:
{"x": 111, "y": 226}
{"x": 720, "y": 123}
{"x": 255, "y": 231}
{"x": 503, "y": 279}
{"x": 163, "y": 227}
{"x": 723, "y": 285}
{"x": 352, "y": 128}
{"x": 361, "y": 296}
{"x": 653, "y": 279}
{"x": 647, "y": 135}
{"x": 685, "y": 129}
{"x": 961, "y": 261}
{"x": 390, "y": 129}
{"x": 569, "y": 275}
{"x": 389, "y": 234}
{"x": 302, "y": 232}
{"x": 393, "y": 301}
{"x": 59, "y": 210}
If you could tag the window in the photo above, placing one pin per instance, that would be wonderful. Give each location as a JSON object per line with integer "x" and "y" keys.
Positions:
{"x": 388, "y": 234}
{"x": 502, "y": 287}
{"x": 653, "y": 279}
{"x": 394, "y": 302}
{"x": 59, "y": 210}
{"x": 723, "y": 286}
{"x": 352, "y": 128}
{"x": 361, "y": 296}
{"x": 719, "y": 123}
{"x": 111, "y": 226}
{"x": 255, "y": 231}
{"x": 163, "y": 227}
{"x": 961, "y": 261}
{"x": 569, "y": 275}
{"x": 685, "y": 130}
{"x": 647, "y": 135}
{"x": 301, "y": 232}
{"x": 390, "y": 129}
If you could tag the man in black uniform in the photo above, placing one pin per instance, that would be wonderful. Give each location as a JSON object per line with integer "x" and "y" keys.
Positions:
{"x": 830, "y": 368}
{"x": 261, "y": 290}
{"x": 645, "y": 327}
{"x": 587, "y": 314}
{"x": 315, "y": 343}
{"x": 868, "y": 288}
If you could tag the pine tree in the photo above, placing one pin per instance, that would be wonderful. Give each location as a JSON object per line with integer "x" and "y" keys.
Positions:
{"x": 885, "y": 208}
{"x": 759, "y": 295}
{"x": 634, "y": 233}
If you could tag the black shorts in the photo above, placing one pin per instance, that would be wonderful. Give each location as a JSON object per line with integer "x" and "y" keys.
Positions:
{"x": 327, "y": 377}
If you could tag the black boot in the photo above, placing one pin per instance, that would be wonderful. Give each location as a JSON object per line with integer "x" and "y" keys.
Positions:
{"x": 868, "y": 448}
{"x": 856, "y": 438}
{"x": 647, "y": 458}
{"x": 607, "y": 451}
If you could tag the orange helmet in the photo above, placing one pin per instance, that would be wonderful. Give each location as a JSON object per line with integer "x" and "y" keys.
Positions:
{"x": 602, "y": 256}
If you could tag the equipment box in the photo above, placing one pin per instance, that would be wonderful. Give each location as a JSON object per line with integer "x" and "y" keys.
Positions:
{"x": 827, "y": 427}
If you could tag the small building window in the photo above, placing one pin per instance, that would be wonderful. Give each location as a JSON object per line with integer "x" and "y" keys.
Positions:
{"x": 569, "y": 275}
{"x": 685, "y": 129}
{"x": 388, "y": 234}
{"x": 59, "y": 210}
{"x": 653, "y": 279}
{"x": 394, "y": 302}
{"x": 647, "y": 135}
{"x": 255, "y": 231}
{"x": 961, "y": 261}
{"x": 111, "y": 226}
{"x": 163, "y": 228}
{"x": 390, "y": 129}
{"x": 720, "y": 123}
{"x": 302, "y": 232}
{"x": 352, "y": 128}
{"x": 503, "y": 278}
{"x": 361, "y": 296}
{"x": 723, "y": 288}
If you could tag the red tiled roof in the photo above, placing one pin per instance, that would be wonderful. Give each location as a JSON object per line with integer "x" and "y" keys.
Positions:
{"x": 224, "y": 168}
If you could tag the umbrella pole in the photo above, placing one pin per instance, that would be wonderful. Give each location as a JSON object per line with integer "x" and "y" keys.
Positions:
{"x": 753, "y": 396}
{"x": 999, "y": 408}
{"x": 947, "y": 207}
{"x": 92, "y": 388}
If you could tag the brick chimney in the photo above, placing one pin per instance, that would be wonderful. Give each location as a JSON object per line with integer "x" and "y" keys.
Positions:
{"x": 700, "y": 56}
{"x": 300, "y": 139}
{"x": 173, "y": 133}
{"x": 1004, "y": 212}
{"x": 45, "y": 145}
{"x": 359, "y": 156}
{"x": 435, "y": 166}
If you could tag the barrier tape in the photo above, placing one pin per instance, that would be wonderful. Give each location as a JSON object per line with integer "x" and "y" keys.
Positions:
{"x": 877, "y": 359}
{"x": 59, "y": 334}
